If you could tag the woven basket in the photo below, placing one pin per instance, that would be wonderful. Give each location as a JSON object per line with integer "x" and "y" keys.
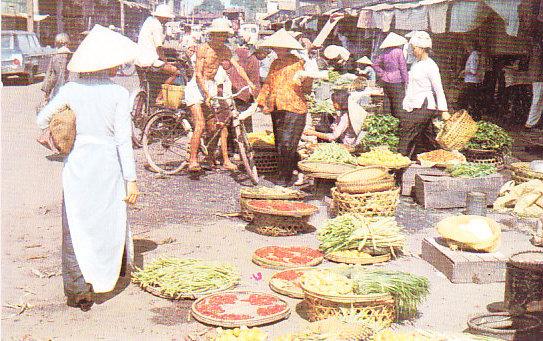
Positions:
{"x": 269, "y": 264}
{"x": 326, "y": 170}
{"x": 338, "y": 258}
{"x": 376, "y": 307}
{"x": 278, "y": 226}
{"x": 487, "y": 157}
{"x": 266, "y": 159}
{"x": 366, "y": 179}
{"x": 457, "y": 132}
{"x": 367, "y": 204}
{"x": 173, "y": 95}
{"x": 245, "y": 213}
{"x": 309, "y": 210}
{"x": 523, "y": 173}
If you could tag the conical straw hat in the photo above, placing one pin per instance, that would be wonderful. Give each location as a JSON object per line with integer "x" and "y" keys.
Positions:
{"x": 365, "y": 60}
{"x": 335, "y": 51}
{"x": 281, "y": 39}
{"x": 102, "y": 49}
{"x": 393, "y": 40}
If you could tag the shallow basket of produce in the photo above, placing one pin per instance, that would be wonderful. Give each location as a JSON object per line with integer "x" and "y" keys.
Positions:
{"x": 287, "y": 282}
{"x": 356, "y": 257}
{"x": 177, "y": 278}
{"x": 441, "y": 158}
{"x": 369, "y": 204}
{"x": 324, "y": 170}
{"x": 485, "y": 156}
{"x": 382, "y": 156}
{"x": 240, "y": 308}
{"x": 523, "y": 173}
{"x": 457, "y": 131}
{"x": 365, "y": 179}
{"x": 287, "y": 257}
{"x": 263, "y": 192}
{"x": 283, "y": 208}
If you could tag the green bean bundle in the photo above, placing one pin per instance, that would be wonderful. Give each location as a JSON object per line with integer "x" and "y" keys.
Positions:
{"x": 332, "y": 152}
{"x": 375, "y": 236}
{"x": 177, "y": 278}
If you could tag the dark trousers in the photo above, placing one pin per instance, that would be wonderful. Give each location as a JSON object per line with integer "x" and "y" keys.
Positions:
{"x": 416, "y": 130}
{"x": 471, "y": 98}
{"x": 287, "y": 129}
{"x": 394, "y": 93}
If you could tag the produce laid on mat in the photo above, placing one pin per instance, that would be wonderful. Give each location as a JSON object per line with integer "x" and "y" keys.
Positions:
{"x": 365, "y": 179}
{"x": 261, "y": 138}
{"x": 380, "y": 130}
{"x": 284, "y": 257}
{"x": 287, "y": 282}
{"x": 177, "y": 278}
{"x": 524, "y": 199}
{"x": 470, "y": 232}
{"x": 353, "y": 232}
{"x": 471, "y": 170}
{"x": 408, "y": 290}
{"x": 382, "y": 156}
{"x": 490, "y": 136}
{"x": 441, "y": 158}
{"x": 239, "y": 308}
{"x": 331, "y": 153}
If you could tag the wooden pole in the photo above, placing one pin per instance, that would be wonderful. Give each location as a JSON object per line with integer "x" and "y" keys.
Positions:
{"x": 122, "y": 16}
{"x": 60, "y": 18}
{"x": 30, "y": 15}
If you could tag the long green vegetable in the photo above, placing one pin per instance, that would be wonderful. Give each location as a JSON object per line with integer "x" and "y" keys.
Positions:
{"x": 177, "y": 277}
{"x": 381, "y": 130}
{"x": 490, "y": 136}
{"x": 351, "y": 231}
{"x": 332, "y": 152}
{"x": 471, "y": 170}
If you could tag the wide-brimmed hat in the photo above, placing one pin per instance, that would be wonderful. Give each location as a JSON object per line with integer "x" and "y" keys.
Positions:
{"x": 220, "y": 25}
{"x": 421, "y": 39}
{"x": 295, "y": 34}
{"x": 335, "y": 51}
{"x": 163, "y": 11}
{"x": 365, "y": 60}
{"x": 393, "y": 40}
{"x": 102, "y": 49}
{"x": 281, "y": 39}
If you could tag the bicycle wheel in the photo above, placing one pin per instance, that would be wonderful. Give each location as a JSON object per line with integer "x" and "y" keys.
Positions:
{"x": 246, "y": 153}
{"x": 139, "y": 115}
{"x": 166, "y": 141}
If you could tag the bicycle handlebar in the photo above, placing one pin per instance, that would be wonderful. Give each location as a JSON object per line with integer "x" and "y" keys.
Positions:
{"x": 231, "y": 96}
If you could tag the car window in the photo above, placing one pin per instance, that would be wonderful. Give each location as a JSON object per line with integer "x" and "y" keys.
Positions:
{"x": 7, "y": 42}
{"x": 24, "y": 44}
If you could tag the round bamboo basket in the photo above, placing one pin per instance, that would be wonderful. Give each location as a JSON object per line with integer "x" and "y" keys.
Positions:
{"x": 505, "y": 326}
{"x": 310, "y": 209}
{"x": 377, "y": 307}
{"x": 457, "y": 132}
{"x": 485, "y": 156}
{"x": 324, "y": 170}
{"x": 523, "y": 173}
{"x": 246, "y": 213}
{"x": 266, "y": 159}
{"x": 278, "y": 226}
{"x": 257, "y": 321}
{"x": 295, "y": 292}
{"x": 367, "y": 204}
{"x": 269, "y": 264}
{"x": 338, "y": 258}
{"x": 366, "y": 179}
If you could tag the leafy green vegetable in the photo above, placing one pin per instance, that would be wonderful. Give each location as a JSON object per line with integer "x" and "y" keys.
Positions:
{"x": 381, "y": 130}
{"x": 471, "y": 170}
{"x": 490, "y": 136}
{"x": 319, "y": 107}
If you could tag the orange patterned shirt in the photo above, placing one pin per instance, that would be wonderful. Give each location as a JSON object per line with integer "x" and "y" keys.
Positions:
{"x": 280, "y": 91}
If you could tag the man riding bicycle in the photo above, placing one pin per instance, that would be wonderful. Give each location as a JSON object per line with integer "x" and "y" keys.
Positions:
{"x": 204, "y": 86}
{"x": 150, "y": 62}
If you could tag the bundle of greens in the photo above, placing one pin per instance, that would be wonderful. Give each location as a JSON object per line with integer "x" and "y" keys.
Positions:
{"x": 375, "y": 236}
{"x": 381, "y": 130}
{"x": 471, "y": 170}
{"x": 490, "y": 136}
{"x": 319, "y": 107}
{"x": 177, "y": 278}
{"x": 331, "y": 152}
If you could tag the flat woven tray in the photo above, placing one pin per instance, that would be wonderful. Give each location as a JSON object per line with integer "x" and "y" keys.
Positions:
{"x": 245, "y": 192}
{"x": 256, "y": 321}
{"x": 366, "y": 186}
{"x": 186, "y": 296}
{"x": 326, "y": 170}
{"x": 292, "y": 290}
{"x": 522, "y": 171}
{"x": 338, "y": 258}
{"x": 306, "y": 211}
{"x": 278, "y": 265}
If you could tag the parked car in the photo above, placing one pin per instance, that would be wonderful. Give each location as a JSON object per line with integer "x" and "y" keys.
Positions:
{"x": 23, "y": 56}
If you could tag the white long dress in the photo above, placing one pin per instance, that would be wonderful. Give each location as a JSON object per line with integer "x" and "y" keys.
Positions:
{"x": 94, "y": 176}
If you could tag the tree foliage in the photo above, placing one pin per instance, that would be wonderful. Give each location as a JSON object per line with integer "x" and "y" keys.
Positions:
{"x": 210, "y": 6}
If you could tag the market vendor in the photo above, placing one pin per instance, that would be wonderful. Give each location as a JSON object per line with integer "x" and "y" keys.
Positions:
{"x": 424, "y": 97}
{"x": 366, "y": 70}
{"x": 345, "y": 128}
{"x": 283, "y": 95}
{"x": 391, "y": 69}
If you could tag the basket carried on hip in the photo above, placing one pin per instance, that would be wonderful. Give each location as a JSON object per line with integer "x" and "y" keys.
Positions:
{"x": 368, "y": 204}
{"x": 377, "y": 307}
{"x": 457, "y": 132}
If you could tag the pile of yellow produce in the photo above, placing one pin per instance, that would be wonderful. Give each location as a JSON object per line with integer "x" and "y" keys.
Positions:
{"x": 334, "y": 329}
{"x": 263, "y": 138}
{"x": 389, "y": 335}
{"x": 383, "y": 157}
{"x": 239, "y": 334}
{"x": 525, "y": 199}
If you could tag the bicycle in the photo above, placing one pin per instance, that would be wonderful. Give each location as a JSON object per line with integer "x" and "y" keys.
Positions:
{"x": 167, "y": 135}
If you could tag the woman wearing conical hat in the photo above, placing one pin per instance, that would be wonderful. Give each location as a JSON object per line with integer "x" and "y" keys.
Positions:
{"x": 99, "y": 175}
{"x": 391, "y": 69}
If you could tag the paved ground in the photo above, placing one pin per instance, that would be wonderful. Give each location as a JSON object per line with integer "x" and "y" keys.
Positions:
{"x": 177, "y": 216}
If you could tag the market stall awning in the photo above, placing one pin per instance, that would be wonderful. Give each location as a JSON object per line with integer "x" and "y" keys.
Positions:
{"x": 133, "y": 4}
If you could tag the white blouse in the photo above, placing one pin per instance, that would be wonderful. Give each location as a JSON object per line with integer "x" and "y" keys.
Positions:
{"x": 424, "y": 84}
